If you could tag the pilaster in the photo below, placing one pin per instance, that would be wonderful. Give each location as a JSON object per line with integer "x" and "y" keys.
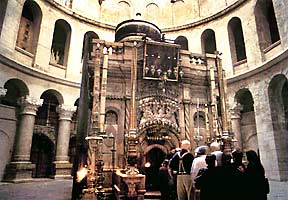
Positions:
{"x": 265, "y": 133}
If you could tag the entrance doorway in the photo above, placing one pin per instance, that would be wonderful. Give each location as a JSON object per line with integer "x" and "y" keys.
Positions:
{"x": 154, "y": 158}
{"x": 42, "y": 154}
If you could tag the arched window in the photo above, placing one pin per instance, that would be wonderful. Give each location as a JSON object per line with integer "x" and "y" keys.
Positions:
{"x": 152, "y": 12}
{"x": 124, "y": 11}
{"x": 248, "y": 133}
{"x": 68, "y": 3}
{"x": 47, "y": 114}
{"x": 3, "y": 6}
{"x": 60, "y": 43}
{"x": 89, "y": 36}
{"x": 29, "y": 28}
{"x": 177, "y": 8}
{"x": 236, "y": 40}
{"x": 208, "y": 41}
{"x": 199, "y": 120}
{"x": 244, "y": 97}
{"x": 181, "y": 40}
{"x": 15, "y": 89}
{"x": 267, "y": 28}
{"x": 111, "y": 118}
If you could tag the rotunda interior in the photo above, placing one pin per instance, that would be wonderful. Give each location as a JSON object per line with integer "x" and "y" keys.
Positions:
{"x": 114, "y": 86}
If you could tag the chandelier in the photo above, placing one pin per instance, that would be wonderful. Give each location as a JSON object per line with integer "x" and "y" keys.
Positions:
{"x": 157, "y": 111}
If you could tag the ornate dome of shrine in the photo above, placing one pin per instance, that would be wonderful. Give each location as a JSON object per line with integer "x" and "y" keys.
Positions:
{"x": 136, "y": 29}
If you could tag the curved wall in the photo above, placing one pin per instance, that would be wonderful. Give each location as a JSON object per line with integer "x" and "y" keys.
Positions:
{"x": 80, "y": 24}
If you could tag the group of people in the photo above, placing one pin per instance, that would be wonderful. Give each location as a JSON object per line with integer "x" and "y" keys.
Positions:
{"x": 213, "y": 174}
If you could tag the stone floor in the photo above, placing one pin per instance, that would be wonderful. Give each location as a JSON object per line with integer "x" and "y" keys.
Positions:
{"x": 42, "y": 189}
{"x": 48, "y": 189}
{"x": 278, "y": 190}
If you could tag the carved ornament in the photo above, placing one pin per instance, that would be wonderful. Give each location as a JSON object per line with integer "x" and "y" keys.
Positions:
{"x": 158, "y": 111}
{"x": 66, "y": 111}
{"x": 3, "y": 92}
{"x": 235, "y": 112}
{"x": 30, "y": 105}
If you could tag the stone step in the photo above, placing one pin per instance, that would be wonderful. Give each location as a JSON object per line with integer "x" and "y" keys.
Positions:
{"x": 152, "y": 195}
{"x": 152, "y": 199}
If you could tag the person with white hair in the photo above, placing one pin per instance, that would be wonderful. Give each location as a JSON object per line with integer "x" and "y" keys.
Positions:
{"x": 180, "y": 164}
{"x": 215, "y": 149}
{"x": 199, "y": 162}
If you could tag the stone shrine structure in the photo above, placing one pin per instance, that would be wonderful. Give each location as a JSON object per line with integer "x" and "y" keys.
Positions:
{"x": 157, "y": 98}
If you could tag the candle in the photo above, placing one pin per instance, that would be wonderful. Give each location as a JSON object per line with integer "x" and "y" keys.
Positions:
{"x": 198, "y": 128}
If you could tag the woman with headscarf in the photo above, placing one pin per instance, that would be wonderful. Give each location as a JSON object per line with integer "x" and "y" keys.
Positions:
{"x": 164, "y": 179}
{"x": 257, "y": 184}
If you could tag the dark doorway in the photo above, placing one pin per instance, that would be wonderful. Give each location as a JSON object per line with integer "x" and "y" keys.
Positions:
{"x": 155, "y": 157}
{"x": 42, "y": 155}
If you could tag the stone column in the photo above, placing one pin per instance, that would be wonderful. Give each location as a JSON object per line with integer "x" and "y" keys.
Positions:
{"x": 236, "y": 125}
{"x": 21, "y": 167}
{"x": 186, "y": 108}
{"x": 61, "y": 164}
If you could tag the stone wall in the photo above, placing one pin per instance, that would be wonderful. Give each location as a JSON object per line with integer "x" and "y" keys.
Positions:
{"x": 257, "y": 81}
{"x": 248, "y": 131}
{"x": 192, "y": 30}
{"x": 7, "y": 134}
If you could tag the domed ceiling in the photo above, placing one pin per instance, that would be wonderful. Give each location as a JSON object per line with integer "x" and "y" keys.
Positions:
{"x": 163, "y": 13}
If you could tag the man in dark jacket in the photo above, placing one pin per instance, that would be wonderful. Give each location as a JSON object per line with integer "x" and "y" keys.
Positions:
{"x": 207, "y": 180}
{"x": 180, "y": 164}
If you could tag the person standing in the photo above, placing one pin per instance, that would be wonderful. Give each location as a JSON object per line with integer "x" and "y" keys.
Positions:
{"x": 215, "y": 149}
{"x": 199, "y": 162}
{"x": 207, "y": 179}
{"x": 164, "y": 179}
{"x": 258, "y": 185}
{"x": 237, "y": 156}
{"x": 240, "y": 176}
{"x": 180, "y": 164}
